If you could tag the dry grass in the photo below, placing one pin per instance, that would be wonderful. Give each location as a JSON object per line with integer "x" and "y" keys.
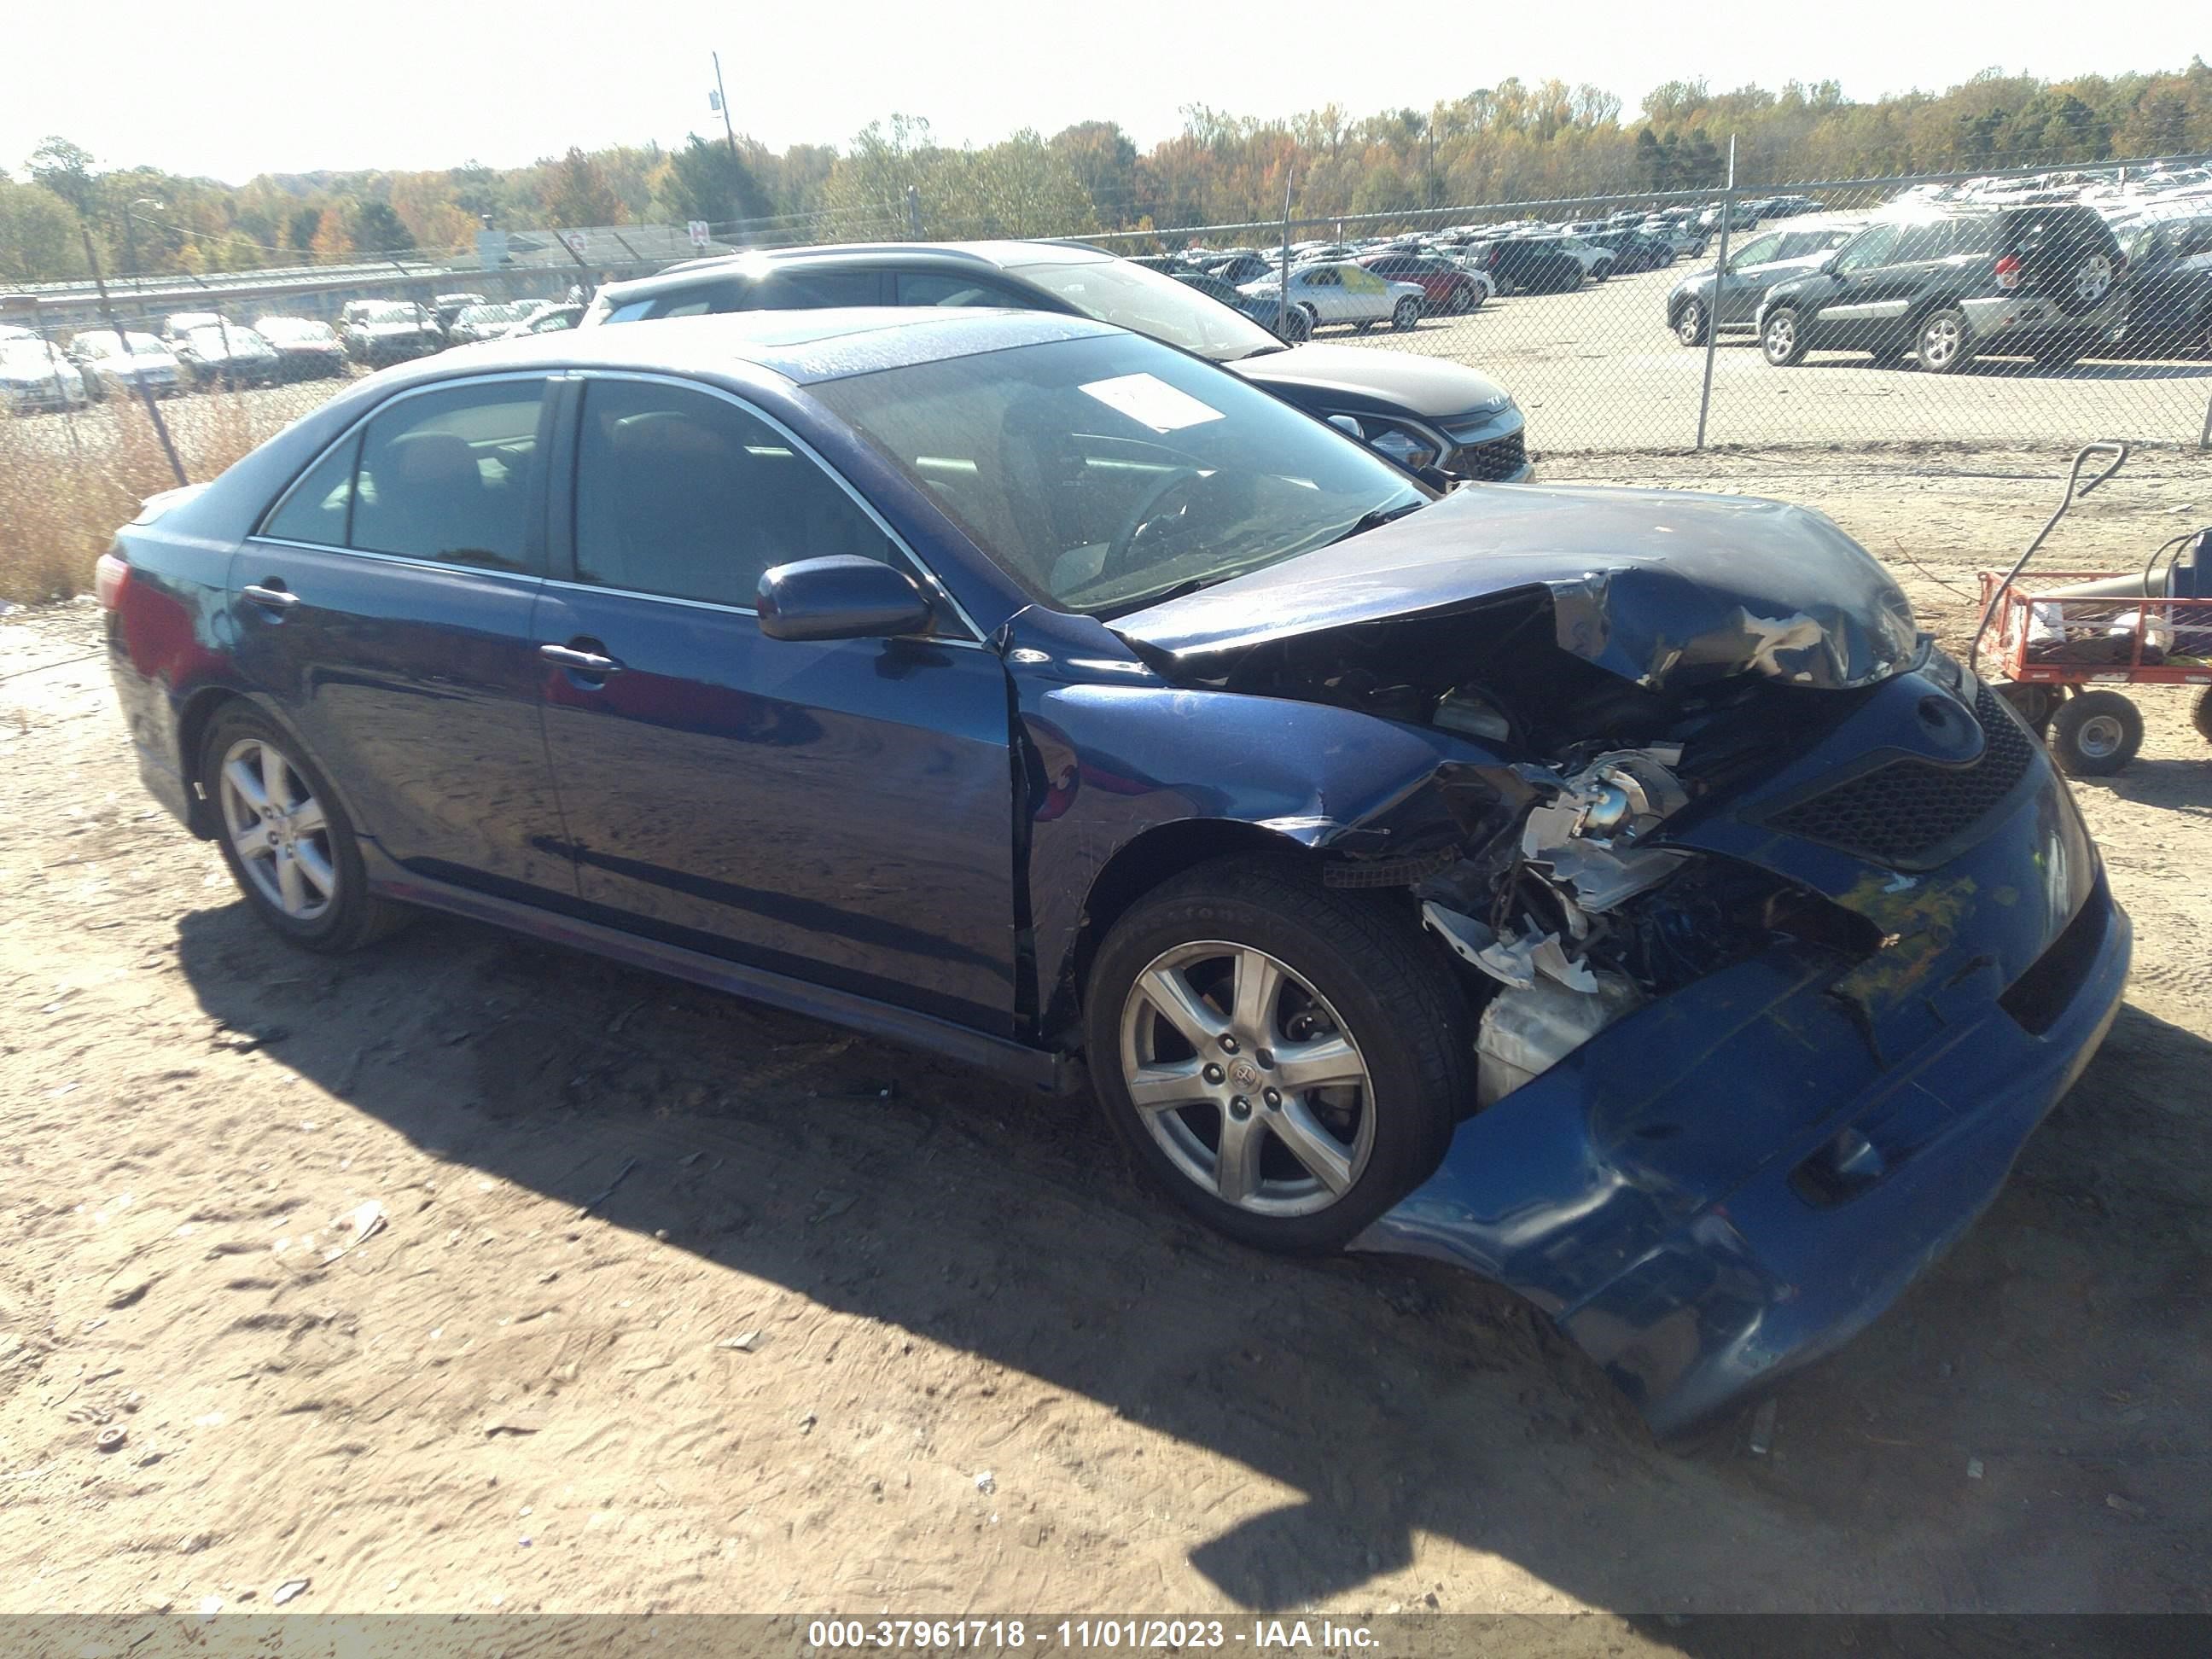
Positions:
{"x": 66, "y": 482}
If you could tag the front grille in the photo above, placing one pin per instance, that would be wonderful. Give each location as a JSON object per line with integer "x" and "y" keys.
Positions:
{"x": 1907, "y": 813}
{"x": 1499, "y": 459}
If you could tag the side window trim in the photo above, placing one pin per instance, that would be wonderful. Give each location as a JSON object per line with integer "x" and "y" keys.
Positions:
{"x": 568, "y": 450}
{"x": 534, "y": 525}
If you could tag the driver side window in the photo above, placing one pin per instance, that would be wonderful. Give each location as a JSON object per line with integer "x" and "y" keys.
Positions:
{"x": 1869, "y": 249}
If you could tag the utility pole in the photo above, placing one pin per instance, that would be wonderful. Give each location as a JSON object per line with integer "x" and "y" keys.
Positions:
{"x": 1283, "y": 271}
{"x": 1720, "y": 281}
{"x": 913, "y": 212}
{"x": 145, "y": 390}
{"x": 722, "y": 99}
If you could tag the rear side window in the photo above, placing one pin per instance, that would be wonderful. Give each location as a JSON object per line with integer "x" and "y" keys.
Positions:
{"x": 687, "y": 496}
{"x": 921, "y": 288}
{"x": 450, "y": 476}
{"x": 315, "y": 510}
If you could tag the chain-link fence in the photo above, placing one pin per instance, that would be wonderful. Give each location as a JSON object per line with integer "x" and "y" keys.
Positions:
{"x": 1951, "y": 313}
{"x": 1868, "y": 323}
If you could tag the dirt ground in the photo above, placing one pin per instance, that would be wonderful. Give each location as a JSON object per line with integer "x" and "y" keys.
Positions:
{"x": 667, "y": 1302}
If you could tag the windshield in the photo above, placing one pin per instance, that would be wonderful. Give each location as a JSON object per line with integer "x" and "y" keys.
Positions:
{"x": 390, "y": 311}
{"x": 1103, "y": 473}
{"x": 242, "y": 341}
{"x": 474, "y": 315}
{"x": 1116, "y": 291}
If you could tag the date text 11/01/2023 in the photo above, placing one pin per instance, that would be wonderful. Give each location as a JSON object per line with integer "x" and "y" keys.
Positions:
{"x": 1262, "y": 1635}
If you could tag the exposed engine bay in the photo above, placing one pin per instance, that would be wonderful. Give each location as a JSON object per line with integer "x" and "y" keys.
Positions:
{"x": 1560, "y": 899}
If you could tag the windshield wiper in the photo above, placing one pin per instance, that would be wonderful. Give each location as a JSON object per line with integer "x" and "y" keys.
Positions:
{"x": 1381, "y": 515}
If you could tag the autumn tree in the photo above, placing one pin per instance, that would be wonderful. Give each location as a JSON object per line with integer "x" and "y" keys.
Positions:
{"x": 577, "y": 193}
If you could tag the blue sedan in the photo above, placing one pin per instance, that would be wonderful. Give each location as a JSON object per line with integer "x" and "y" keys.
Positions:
{"x": 1610, "y": 891}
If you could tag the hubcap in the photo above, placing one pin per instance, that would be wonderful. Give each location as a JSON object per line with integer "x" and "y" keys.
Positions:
{"x": 1781, "y": 337}
{"x": 278, "y": 830}
{"x": 2099, "y": 736}
{"x": 1939, "y": 341}
{"x": 1247, "y": 1080}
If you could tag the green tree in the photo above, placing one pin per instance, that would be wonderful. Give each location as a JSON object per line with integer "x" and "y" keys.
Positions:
{"x": 1105, "y": 161}
{"x": 704, "y": 181}
{"x": 39, "y": 238}
{"x": 378, "y": 229}
{"x": 301, "y": 226}
{"x": 66, "y": 169}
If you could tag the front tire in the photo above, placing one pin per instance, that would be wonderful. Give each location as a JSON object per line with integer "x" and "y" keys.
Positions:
{"x": 1782, "y": 338}
{"x": 1942, "y": 342}
{"x": 289, "y": 845}
{"x": 2095, "y": 734}
{"x": 1287, "y": 1060}
{"x": 1691, "y": 323}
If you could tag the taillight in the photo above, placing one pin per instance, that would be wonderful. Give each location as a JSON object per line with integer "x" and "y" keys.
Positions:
{"x": 2008, "y": 271}
{"x": 109, "y": 577}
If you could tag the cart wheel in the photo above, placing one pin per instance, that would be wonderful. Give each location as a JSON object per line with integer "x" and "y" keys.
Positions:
{"x": 2095, "y": 733}
{"x": 2032, "y": 704}
{"x": 2202, "y": 713}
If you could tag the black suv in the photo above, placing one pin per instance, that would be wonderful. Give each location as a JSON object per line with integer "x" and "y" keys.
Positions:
{"x": 1529, "y": 264}
{"x": 1954, "y": 282}
{"x": 1419, "y": 410}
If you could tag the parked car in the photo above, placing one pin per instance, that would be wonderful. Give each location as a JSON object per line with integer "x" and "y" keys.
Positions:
{"x": 1239, "y": 268}
{"x": 1755, "y": 265}
{"x": 1633, "y": 251}
{"x": 1294, "y": 324}
{"x": 1334, "y": 291}
{"x": 1425, "y": 411}
{"x": 1531, "y": 264}
{"x": 487, "y": 321}
{"x": 37, "y": 377}
{"x": 379, "y": 333}
{"x": 1949, "y": 285}
{"x": 2166, "y": 283}
{"x": 447, "y": 307}
{"x": 307, "y": 348}
{"x": 1447, "y": 291}
{"x": 225, "y": 354}
{"x": 106, "y": 367}
{"x": 1597, "y": 263}
{"x": 548, "y": 317}
{"x": 1455, "y": 875}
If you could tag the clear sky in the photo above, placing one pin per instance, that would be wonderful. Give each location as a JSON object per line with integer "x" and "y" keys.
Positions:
{"x": 229, "y": 89}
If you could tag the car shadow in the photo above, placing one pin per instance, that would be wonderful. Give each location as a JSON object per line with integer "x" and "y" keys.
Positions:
{"x": 1396, "y": 1401}
{"x": 2022, "y": 369}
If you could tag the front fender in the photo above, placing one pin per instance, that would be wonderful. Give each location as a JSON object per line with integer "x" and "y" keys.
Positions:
{"x": 1108, "y": 762}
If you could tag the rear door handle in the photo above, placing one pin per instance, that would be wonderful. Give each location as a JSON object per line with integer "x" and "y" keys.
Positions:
{"x": 582, "y": 662}
{"x": 275, "y": 595}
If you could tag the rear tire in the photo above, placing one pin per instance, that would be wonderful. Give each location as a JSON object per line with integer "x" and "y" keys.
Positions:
{"x": 2200, "y": 715}
{"x": 1942, "y": 342}
{"x": 1357, "y": 991}
{"x": 1406, "y": 314}
{"x": 2095, "y": 734}
{"x": 289, "y": 845}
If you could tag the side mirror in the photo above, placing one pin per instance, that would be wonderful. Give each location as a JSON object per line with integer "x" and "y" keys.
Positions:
{"x": 1832, "y": 265}
{"x": 1347, "y": 426}
{"x": 843, "y": 597}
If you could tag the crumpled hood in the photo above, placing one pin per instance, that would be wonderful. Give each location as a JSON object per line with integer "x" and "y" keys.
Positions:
{"x": 1665, "y": 588}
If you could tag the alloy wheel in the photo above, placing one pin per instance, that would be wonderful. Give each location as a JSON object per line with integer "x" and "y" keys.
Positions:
{"x": 278, "y": 830}
{"x": 1940, "y": 340}
{"x": 1245, "y": 1076}
{"x": 1689, "y": 327}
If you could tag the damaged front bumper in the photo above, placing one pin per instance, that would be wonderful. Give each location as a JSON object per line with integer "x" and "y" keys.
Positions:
{"x": 1736, "y": 1178}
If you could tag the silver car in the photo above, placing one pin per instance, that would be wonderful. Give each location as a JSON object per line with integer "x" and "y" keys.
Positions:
{"x": 1337, "y": 291}
{"x": 1763, "y": 259}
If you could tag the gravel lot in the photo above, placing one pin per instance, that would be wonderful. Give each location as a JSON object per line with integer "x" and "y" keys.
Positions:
{"x": 672, "y": 1302}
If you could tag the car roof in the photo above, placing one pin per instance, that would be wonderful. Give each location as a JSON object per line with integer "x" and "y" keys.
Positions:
{"x": 804, "y": 347}
{"x": 1001, "y": 255}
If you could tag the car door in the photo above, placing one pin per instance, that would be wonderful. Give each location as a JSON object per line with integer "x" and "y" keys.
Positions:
{"x": 836, "y": 810}
{"x": 385, "y": 605}
{"x": 1840, "y": 301}
{"x": 1917, "y": 269}
{"x": 1367, "y": 296}
{"x": 1321, "y": 286}
{"x": 1738, "y": 287}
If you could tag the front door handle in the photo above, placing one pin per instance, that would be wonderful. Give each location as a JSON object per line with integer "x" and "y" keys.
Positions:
{"x": 274, "y": 594}
{"x": 591, "y": 663}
